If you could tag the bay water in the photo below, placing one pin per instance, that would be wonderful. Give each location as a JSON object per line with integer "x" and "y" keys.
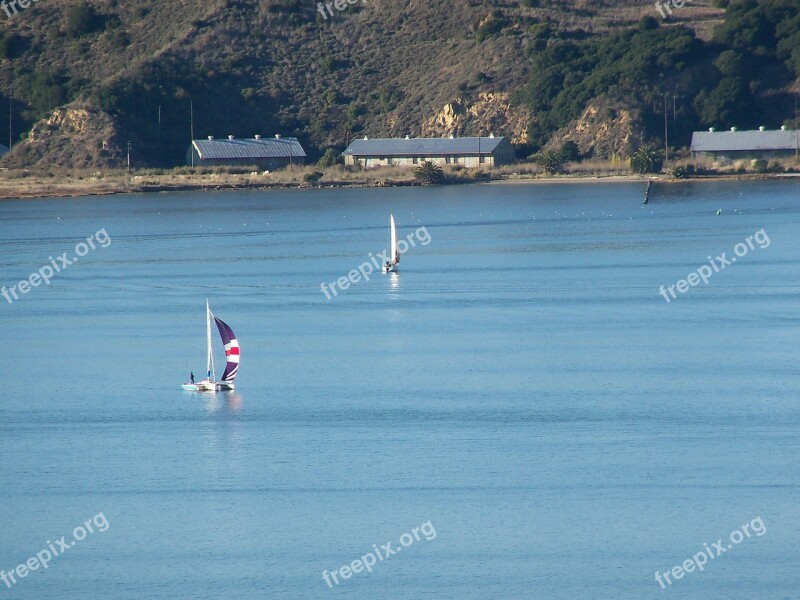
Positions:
{"x": 521, "y": 393}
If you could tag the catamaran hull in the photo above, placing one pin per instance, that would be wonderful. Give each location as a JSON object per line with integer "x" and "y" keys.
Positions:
{"x": 208, "y": 387}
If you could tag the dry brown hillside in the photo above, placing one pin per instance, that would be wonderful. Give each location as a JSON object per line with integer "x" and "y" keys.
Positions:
{"x": 379, "y": 67}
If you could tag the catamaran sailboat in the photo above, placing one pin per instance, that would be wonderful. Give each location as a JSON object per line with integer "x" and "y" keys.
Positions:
{"x": 231, "y": 344}
{"x": 391, "y": 266}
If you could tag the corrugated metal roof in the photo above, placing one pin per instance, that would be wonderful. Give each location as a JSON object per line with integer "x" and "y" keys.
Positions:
{"x": 720, "y": 141}
{"x": 423, "y": 146}
{"x": 249, "y": 148}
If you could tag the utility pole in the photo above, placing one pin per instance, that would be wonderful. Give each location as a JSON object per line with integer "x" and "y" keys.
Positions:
{"x": 159, "y": 128}
{"x": 129, "y": 156}
{"x": 796, "y": 132}
{"x": 674, "y": 114}
{"x": 10, "y": 117}
{"x": 191, "y": 128}
{"x": 666, "y": 133}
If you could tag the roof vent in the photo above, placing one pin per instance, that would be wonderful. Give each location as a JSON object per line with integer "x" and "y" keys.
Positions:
{"x": 277, "y": 136}
{"x": 491, "y": 136}
{"x": 733, "y": 128}
{"x": 762, "y": 128}
{"x": 783, "y": 127}
{"x": 211, "y": 138}
{"x": 258, "y": 137}
{"x": 230, "y": 137}
{"x": 712, "y": 129}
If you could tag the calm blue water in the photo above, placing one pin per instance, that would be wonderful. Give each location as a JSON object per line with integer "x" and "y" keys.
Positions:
{"x": 521, "y": 385}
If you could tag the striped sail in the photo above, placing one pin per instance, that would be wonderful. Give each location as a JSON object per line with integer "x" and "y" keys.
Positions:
{"x": 231, "y": 351}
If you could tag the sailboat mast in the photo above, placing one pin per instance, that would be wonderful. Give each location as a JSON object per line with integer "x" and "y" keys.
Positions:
{"x": 210, "y": 364}
{"x": 393, "y": 241}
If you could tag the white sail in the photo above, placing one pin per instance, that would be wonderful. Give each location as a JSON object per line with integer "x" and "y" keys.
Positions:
{"x": 393, "y": 242}
{"x": 211, "y": 374}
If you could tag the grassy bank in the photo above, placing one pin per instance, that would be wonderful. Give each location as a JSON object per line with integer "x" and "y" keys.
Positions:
{"x": 57, "y": 183}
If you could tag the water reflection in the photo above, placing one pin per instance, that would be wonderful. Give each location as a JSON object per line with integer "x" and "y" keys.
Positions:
{"x": 224, "y": 404}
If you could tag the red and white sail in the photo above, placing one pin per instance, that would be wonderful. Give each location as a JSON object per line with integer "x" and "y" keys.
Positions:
{"x": 231, "y": 345}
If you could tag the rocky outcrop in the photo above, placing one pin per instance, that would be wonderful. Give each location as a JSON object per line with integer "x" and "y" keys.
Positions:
{"x": 72, "y": 137}
{"x": 605, "y": 130}
{"x": 491, "y": 112}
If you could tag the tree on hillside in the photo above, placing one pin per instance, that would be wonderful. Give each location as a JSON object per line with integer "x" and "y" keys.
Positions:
{"x": 330, "y": 158}
{"x": 570, "y": 151}
{"x": 727, "y": 104}
{"x": 81, "y": 19}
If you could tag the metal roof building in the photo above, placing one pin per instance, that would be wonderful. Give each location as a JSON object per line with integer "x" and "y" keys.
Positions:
{"x": 265, "y": 153}
{"x": 756, "y": 143}
{"x": 466, "y": 151}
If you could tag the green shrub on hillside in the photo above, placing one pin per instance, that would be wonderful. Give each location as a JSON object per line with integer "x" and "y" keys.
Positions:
{"x": 757, "y": 48}
{"x": 493, "y": 24}
{"x": 570, "y": 152}
{"x": 81, "y": 19}
{"x": 12, "y": 45}
{"x": 329, "y": 159}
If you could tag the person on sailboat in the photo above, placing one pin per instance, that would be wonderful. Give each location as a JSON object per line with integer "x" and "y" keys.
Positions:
{"x": 191, "y": 376}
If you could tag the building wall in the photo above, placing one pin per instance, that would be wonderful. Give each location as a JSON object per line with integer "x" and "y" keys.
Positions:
{"x": 269, "y": 164}
{"x": 370, "y": 162}
{"x": 504, "y": 154}
{"x": 745, "y": 154}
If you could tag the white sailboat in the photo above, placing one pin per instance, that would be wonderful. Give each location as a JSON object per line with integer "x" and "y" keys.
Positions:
{"x": 391, "y": 266}
{"x": 231, "y": 344}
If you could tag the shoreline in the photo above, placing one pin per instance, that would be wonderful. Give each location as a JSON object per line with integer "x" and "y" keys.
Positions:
{"x": 33, "y": 187}
{"x": 642, "y": 178}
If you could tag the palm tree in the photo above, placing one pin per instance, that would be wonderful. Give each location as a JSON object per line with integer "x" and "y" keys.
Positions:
{"x": 550, "y": 160}
{"x": 646, "y": 160}
{"x": 428, "y": 172}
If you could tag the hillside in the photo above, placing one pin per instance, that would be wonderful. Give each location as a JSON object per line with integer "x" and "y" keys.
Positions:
{"x": 526, "y": 69}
